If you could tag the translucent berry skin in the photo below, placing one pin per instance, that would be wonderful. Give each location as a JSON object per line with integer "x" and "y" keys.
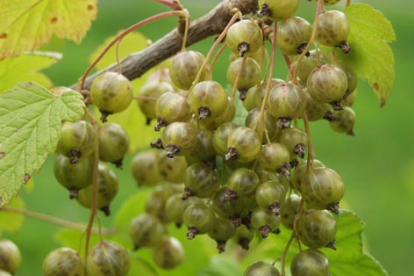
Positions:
{"x": 199, "y": 219}
{"x": 156, "y": 200}
{"x": 261, "y": 269}
{"x": 225, "y": 207}
{"x": 244, "y": 37}
{"x": 73, "y": 176}
{"x": 184, "y": 69}
{"x": 309, "y": 63}
{"x": 168, "y": 254}
{"x": 293, "y": 35}
{"x": 299, "y": 174}
{"x": 316, "y": 110}
{"x": 333, "y": 28}
{"x": 316, "y": 228}
{"x": 172, "y": 107}
{"x": 327, "y": 84}
{"x": 179, "y": 138}
{"x": 244, "y": 143}
{"x": 221, "y": 135}
{"x": 175, "y": 207}
{"x": 323, "y": 189}
{"x": 243, "y": 182}
{"x": 344, "y": 121}
{"x": 310, "y": 262}
{"x": 208, "y": 99}
{"x": 204, "y": 152}
{"x": 278, "y": 9}
{"x": 111, "y": 92}
{"x": 113, "y": 143}
{"x": 63, "y": 261}
{"x": 171, "y": 169}
{"x": 349, "y": 99}
{"x": 108, "y": 259}
{"x": 264, "y": 221}
{"x": 253, "y": 120}
{"x": 144, "y": 168}
{"x": 77, "y": 140}
{"x": 10, "y": 256}
{"x": 212, "y": 123}
{"x": 296, "y": 140}
{"x": 222, "y": 231}
{"x": 273, "y": 157}
{"x": 201, "y": 181}
{"x": 107, "y": 190}
{"x": 289, "y": 209}
{"x": 145, "y": 230}
{"x": 152, "y": 89}
{"x": 250, "y": 74}
{"x": 270, "y": 196}
{"x": 261, "y": 90}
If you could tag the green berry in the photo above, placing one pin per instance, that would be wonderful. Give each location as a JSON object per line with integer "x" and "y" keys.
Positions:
{"x": 261, "y": 269}
{"x": 310, "y": 262}
{"x": 63, "y": 261}
{"x": 293, "y": 35}
{"x": 145, "y": 231}
{"x": 168, "y": 253}
{"x": 243, "y": 145}
{"x": 108, "y": 259}
{"x": 179, "y": 138}
{"x": 278, "y": 9}
{"x": 10, "y": 257}
{"x": 244, "y": 37}
{"x": 145, "y": 170}
{"x": 333, "y": 29}
{"x": 113, "y": 143}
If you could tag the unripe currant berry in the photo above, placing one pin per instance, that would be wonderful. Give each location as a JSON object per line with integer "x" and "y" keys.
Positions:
{"x": 111, "y": 93}
{"x": 204, "y": 152}
{"x": 145, "y": 231}
{"x": 249, "y": 102}
{"x": 310, "y": 262}
{"x": 185, "y": 67}
{"x": 172, "y": 107}
{"x": 261, "y": 269}
{"x": 299, "y": 174}
{"x": 328, "y": 84}
{"x": 201, "y": 181}
{"x": 309, "y": 63}
{"x": 242, "y": 183}
{"x": 323, "y": 189}
{"x": 352, "y": 78}
{"x": 316, "y": 228}
{"x": 179, "y": 138}
{"x": 333, "y": 29}
{"x": 270, "y": 196}
{"x": 171, "y": 169}
{"x": 344, "y": 121}
{"x": 286, "y": 102}
{"x": 108, "y": 259}
{"x": 221, "y": 136}
{"x": 63, "y": 261}
{"x": 243, "y": 145}
{"x": 228, "y": 208}
{"x": 296, "y": 140}
{"x": 107, "y": 190}
{"x": 155, "y": 202}
{"x": 330, "y": 2}
{"x": 278, "y": 9}
{"x": 264, "y": 221}
{"x": 208, "y": 99}
{"x": 270, "y": 129}
{"x": 168, "y": 253}
{"x": 222, "y": 231}
{"x": 275, "y": 157}
{"x": 293, "y": 35}
{"x": 153, "y": 90}
{"x": 261, "y": 90}
{"x": 243, "y": 236}
{"x": 213, "y": 123}
{"x": 289, "y": 209}
{"x": 77, "y": 140}
{"x": 244, "y": 37}
{"x": 175, "y": 207}
{"x": 316, "y": 110}
{"x": 199, "y": 219}
{"x": 113, "y": 143}
{"x": 10, "y": 256}
{"x": 5, "y": 273}
{"x": 250, "y": 74}
{"x": 73, "y": 176}
{"x": 144, "y": 168}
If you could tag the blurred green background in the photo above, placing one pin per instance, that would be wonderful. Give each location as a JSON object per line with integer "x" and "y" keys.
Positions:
{"x": 377, "y": 165}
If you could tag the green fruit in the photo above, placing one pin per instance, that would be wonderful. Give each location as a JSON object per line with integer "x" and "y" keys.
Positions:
{"x": 243, "y": 145}
{"x": 242, "y": 183}
{"x": 316, "y": 110}
{"x": 270, "y": 196}
{"x": 175, "y": 207}
{"x": 73, "y": 176}
{"x": 289, "y": 210}
{"x": 77, "y": 140}
{"x": 156, "y": 200}
{"x": 293, "y": 35}
{"x": 111, "y": 93}
{"x": 10, "y": 257}
{"x": 179, "y": 138}
{"x": 296, "y": 140}
{"x": 199, "y": 219}
{"x": 344, "y": 121}
{"x": 275, "y": 157}
{"x": 299, "y": 174}
{"x": 201, "y": 181}
{"x": 213, "y": 123}
{"x": 264, "y": 221}
{"x": 333, "y": 29}
{"x": 113, "y": 143}
{"x": 172, "y": 107}
{"x": 261, "y": 269}
{"x": 145, "y": 170}
{"x": 278, "y": 9}
{"x": 270, "y": 128}
{"x": 145, "y": 231}
{"x": 221, "y": 135}
{"x": 243, "y": 236}
{"x": 309, "y": 63}
{"x": 108, "y": 259}
{"x": 169, "y": 253}
{"x": 250, "y": 74}
{"x": 172, "y": 169}
{"x": 244, "y": 37}
{"x": 222, "y": 231}
{"x": 204, "y": 152}
{"x": 63, "y": 261}
{"x": 310, "y": 262}
{"x": 228, "y": 208}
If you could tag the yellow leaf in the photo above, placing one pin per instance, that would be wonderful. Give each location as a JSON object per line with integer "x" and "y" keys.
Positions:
{"x": 28, "y": 24}
{"x": 11, "y": 221}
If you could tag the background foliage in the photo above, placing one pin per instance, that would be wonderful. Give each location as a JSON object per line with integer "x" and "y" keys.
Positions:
{"x": 377, "y": 165}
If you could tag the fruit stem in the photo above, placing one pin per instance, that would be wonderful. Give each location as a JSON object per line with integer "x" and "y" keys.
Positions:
{"x": 319, "y": 10}
{"x": 54, "y": 220}
{"x": 124, "y": 33}
{"x": 284, "y": 254}
{"x": 186, "y": 27}
{"x": 216, "y": 57}
{"x": 311, "y": 152}
{"x": 236, "y": 81}
{"x": 348, "y": 2}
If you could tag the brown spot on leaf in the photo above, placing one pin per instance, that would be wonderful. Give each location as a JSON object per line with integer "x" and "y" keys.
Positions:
{"x": 91, "y": 7}
{"x": 54, "y": 20}
{"x": 3, "y": 36}
{"x": 26, "y": 178}
{"x": 382, "y": 103}
{"x": 2, "y": 154}
{"x": 28, "y": 84}
{"x": 1, "y": 200}
{"x": 375, "y": 85}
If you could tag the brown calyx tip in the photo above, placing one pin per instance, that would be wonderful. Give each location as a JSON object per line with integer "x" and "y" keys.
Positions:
{"x": 160, "y": 123}
{"x": 264, "y": 10}
{"x": 331, "y": 245}
{"x": 119, "y": 163}
{"x": 157, "y": 144}
{"x": 73, "y": 193}
{"x": 337, "y": 105}
{"x": 244, "y": 243}
{"x": 243, "y": 94}
{"x": 243, "y": 48}
{"x": 221, "y": 246}
{"x": 299, "y": 149}
{"x": 344, "y": 46}
{"x": 192, "y": 232}
{"x": 283, "y": 122}
{"x": 334, "y": 207}
{"x": 171, "y": 150}
{"x": 74, "y": 155}
{"x": 264, "y": 231}
{"x": 284, "y": 169}
{"x": 106, "y": 210}
{"x": 203, "y": 112}
{"x": 231, "y": 154}
{"x": 274, "y": 207}
{"x": 187, "y": 193}
{"x": 230, "y": 195}
{"x": 104, "y": 115}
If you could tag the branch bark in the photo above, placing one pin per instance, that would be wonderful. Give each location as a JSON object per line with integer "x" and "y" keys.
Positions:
{"x": 212, "y": 23}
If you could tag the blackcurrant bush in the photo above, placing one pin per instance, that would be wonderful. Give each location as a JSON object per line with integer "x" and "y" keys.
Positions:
{"x": 113, "y": 143}
{"x": 243, "y": 145}
{"x": 199, "y": 219}
{"x": 264, "y": 221}
{"x": 145, "y": 170}
{"x": 201, "y": 181}
{"x": 77, "y": 140}
{"x": 261, "y": 269}
{"x": 145, "y": 231}
{"x": 333, "y": 29}
{"x": 185, "y": 67}
{"x": 250, "y": 74}
{"x": 295, "y": 139}
{"x": 179, "y": 138}
{"x": 293, "y": 35}
{"x": 168, "y": 253}
{"x": 270, "y": 195}
{"x": 316, "y": 228}
{"x": 289, "y": 209}
{"x": 172, "y": 107}
{"x": 107, "y": 190}
{"x": 244, "y": 37}
{"x": 344, "y": 121}
{"x": 222, "y": 231}
{"x": 10, "y": 256}
{"x": 275, "y": 157}
{"x": 111, "y": 93}
{"x": 63, "y": 261}
{"x": 73, "y": 176}
{"x": 310, "y": 262}
{"x": 108, "y": 259}
{"x": 172, "y": 169}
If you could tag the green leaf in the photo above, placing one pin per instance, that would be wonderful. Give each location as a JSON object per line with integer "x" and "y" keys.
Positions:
{"x": 131, "y": 119}
{"x": 74, "y": 238}
{"x": 221, "y": 266}
{"x": 30, "y": 123}
{"x": 370, "y": 55}
{"x": 10, "y": 221}
{"x": 28, "y": 24}
{"x": 26, "y": 68}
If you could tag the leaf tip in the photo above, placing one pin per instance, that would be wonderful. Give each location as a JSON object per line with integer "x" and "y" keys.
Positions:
{"x": 26, "y": 178}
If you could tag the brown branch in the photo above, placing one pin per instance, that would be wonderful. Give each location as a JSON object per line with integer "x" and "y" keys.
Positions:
{"x": 212, "y": 23}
